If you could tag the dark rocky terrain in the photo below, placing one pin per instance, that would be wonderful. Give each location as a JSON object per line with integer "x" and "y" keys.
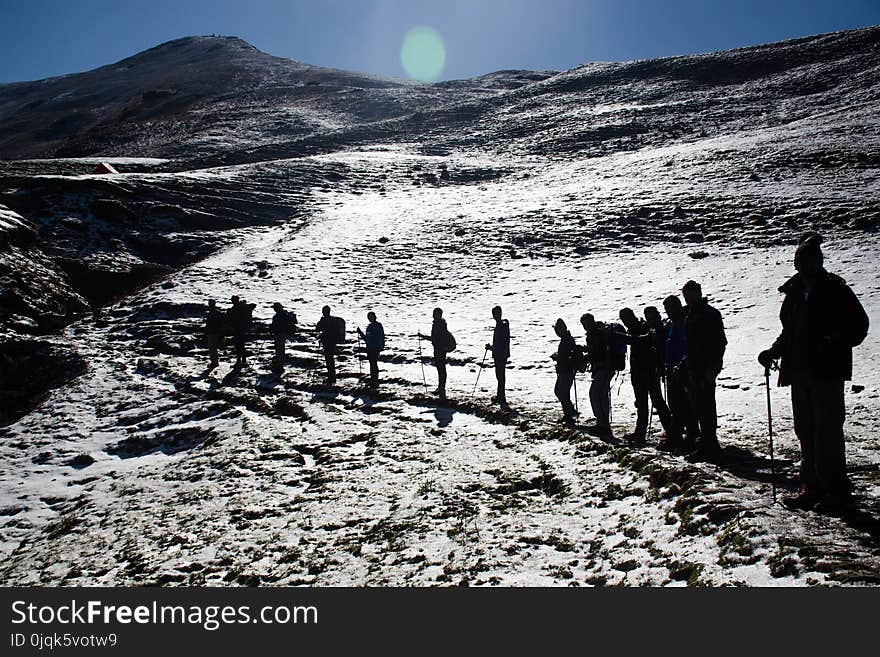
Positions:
{"x": 606, "y": 185}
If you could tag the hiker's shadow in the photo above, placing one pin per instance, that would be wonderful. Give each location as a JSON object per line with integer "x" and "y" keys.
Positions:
{"x": 444, "y": 416}
{"x": 324, "y": 396}
{"x": 747, "y": 465}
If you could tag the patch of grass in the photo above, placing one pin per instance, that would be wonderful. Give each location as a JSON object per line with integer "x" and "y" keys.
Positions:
{"x": 686, "y": 571}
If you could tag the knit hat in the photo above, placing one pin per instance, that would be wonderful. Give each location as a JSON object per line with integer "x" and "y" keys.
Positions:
{"x": 809, "y": 250}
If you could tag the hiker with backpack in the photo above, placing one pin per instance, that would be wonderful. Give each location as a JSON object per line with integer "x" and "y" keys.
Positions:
{"x": 443, "y": 343}
{"x": 331, "y": 333}
{"x": 566, "y": 356}
{"x": 283, "y": 325}
{"x": 822, "y": 320}
{"x": 657, "y": 332}
{"x": 374, "y": 341}
{"x": 677, "y": 393}
{"x": 704, "y": 344}
{"x": 644, "y": 377}
{"x": 599, "y": 354}
{"x": 240, "y": 319}
{"x": 213, "y": 332}
{"x": 500, "y": 349}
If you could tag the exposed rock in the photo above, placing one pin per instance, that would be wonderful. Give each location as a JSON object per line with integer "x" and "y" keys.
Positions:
{"x": 28, "y": 371}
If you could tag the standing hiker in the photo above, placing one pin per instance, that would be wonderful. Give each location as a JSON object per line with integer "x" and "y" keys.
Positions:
{"x": 704, "y": 345}
{"x": 677, "y": 392}
{"x": 565, "y": 370}
{"x": 213, "y": 331}
{"x": 331, "y": 333}
{"x": 657, "y": 333}
{"x": 443, "y": 343}
{"x": 500, "y": 349}
{"x": 240, "y": 319}
{"x": 374, "y": 341}
{"x": 599, "y": 358}
{"x": 283, "y": 324}
{"x": 822, "y": 320}
{"x": 645, "y": 380}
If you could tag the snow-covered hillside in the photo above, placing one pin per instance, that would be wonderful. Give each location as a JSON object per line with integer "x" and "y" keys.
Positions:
{"x": 602, "y": 187}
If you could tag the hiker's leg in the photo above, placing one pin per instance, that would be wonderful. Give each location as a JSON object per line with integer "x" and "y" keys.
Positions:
{"x": 600, "y": 398}
{"x": 705, "y": 409}
{"x": 373, "y": 357}
{"x": 829, "y": 414}
{"x": 213, "y": 346}
{"x": 440, "y": 362}
{"x": 802, "y": 412}
{"x": 656, "y": 393}
{"x": 564, "y": 381}
{"x": 501, "y": 376}
{"x": 640, "y": 392}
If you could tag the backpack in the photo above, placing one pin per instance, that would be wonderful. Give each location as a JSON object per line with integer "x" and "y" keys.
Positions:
{"x": 290, "y": 322}
{"x": 381, "y": 337}
{"x": 450, "y": 342}
{"x": 617, "y": 346}
{"x": 338, "y": 327}
{"x": 579, "y": 360}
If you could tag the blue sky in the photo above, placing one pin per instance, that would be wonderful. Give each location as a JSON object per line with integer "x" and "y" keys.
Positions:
{"x": 41, "y": 38}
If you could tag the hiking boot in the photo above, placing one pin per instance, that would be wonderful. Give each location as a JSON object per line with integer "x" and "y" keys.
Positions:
{"x": 600, "y": 432}
{"x": 635, "y": 438}
{"x": 803, "y": 501}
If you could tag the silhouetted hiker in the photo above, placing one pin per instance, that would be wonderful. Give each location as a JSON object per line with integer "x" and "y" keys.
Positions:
{"x": 283, "y": 325}
{"x": 443, "y": 343}
{"x": 644, "y": 377}
{"x": 240, "y": 319}
{"x": 213, "y": 331}
{"x": 374, "y": 341}
{"x": 822, "y": 320}
{"x": 500, "y": 349}
{"x": 599, "y": 359}
{"x": 677, "y": 393}
{"x": 704, "y": 345}
{"x": 565, "y": 370}
{"x": 658, "y": 373}
{"x": 331, "y": 333}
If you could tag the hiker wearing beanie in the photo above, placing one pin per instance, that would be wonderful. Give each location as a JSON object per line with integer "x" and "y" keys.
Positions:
{"x": 704, "y": 346}
{"x": 443, "y": 342}
{"x": 600, "y": 357}
{"x": 374, "y": 342}
{"x": 676, "y": 376}
{"x": 565, "y": 370}
{"x": 644, "y": 377}
{"x": 822, "y": 320}
{"x": 282, "y": 325}
{"x": 500, "y": 348}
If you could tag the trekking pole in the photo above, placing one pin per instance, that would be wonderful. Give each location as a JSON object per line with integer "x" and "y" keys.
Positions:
{"x": 650, "y": 419}
{"x": 422, "y": 363}
{"x": 770, "y": 431}
{"x": 576, "y": 409}
{"x": 485, "y": 353}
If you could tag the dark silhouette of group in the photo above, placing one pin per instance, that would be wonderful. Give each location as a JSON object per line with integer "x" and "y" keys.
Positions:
{"x": 686, "y": 350}
{"x": 674, "y": 364}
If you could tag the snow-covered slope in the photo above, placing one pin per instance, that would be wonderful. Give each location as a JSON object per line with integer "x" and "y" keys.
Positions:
{"x": 601, "y": 187}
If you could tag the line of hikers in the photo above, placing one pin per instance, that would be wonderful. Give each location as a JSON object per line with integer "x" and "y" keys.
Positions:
{"x": 683, "y": 354}
{"x": 673, "y": 363}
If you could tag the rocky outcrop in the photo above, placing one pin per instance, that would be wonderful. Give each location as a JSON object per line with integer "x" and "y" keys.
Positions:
{"x": 35, "y": 294}
{"x": 29, "y": 370}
